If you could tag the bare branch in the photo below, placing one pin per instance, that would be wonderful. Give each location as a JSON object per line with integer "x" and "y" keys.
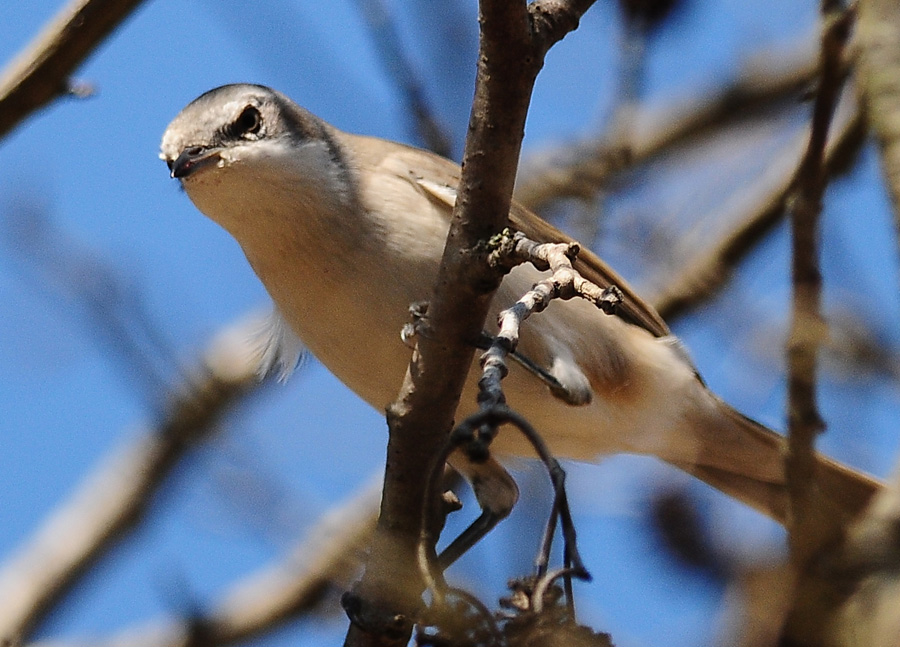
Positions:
{"x": 329, "y": 557}
{"x": 388, "y": 43}
{"x": 564, "y": 282}
{"x": 115, "y": 497}
{"x": 579, "y": 169}
{"x": 41, "y": 72}
{"x": 807, "y": 326}
{"x": 514, "y": 40}
{"x": 879, "y": 36}
{"x": 755, "y": 211}
{"x": 813, "y": 529}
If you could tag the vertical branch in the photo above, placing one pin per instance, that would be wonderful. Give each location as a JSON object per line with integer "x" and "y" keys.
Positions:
{"x": 879, "y": 36}
{"x": 807, "y": 326}
{"x": 514, "y": 39}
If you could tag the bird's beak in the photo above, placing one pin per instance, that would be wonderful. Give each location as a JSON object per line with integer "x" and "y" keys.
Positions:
{"x": 192, "y": 159}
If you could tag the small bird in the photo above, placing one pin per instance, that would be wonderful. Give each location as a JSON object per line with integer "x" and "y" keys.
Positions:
{"x": 347, "y": 231}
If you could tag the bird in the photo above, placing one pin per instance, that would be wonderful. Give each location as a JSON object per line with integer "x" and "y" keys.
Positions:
{"x": 346, "y": 231}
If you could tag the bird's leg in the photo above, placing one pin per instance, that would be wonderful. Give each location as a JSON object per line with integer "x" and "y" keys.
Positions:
{"x": 560, "y": 512}
{"x": 494, "y": 487}
{"x": 570, "y": 394}
{"x": 496, "y": 492}
{"x": 418, "y": 315}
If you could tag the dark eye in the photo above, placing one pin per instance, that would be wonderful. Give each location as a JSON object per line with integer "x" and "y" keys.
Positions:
{"x": 248, "y": 122}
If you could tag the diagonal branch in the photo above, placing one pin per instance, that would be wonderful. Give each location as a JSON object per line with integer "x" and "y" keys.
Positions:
{"x": 758, "y": 209}
{"x": 115, "y": 498}
{"x": 327, "y": 558}
{"x": 384, "y": 31}
{"x": 579, "y": 169}
{"x": 40, "y": 73}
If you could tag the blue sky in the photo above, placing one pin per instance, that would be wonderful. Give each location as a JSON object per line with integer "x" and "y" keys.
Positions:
{"x": 92, "y": 166}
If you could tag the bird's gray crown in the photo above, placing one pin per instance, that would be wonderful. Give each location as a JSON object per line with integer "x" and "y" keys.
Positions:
{"x": 235, "y": 114}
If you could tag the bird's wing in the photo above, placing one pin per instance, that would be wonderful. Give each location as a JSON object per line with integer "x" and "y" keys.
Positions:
{"x": 439, "y": 177}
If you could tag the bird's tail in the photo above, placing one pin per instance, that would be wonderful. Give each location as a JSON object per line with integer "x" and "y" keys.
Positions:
{"x": 843, "y": 491}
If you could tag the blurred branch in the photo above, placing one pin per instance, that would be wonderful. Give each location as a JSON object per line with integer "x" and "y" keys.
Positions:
{"x": 813, "y": 529}
{"x": 854, "y": 349}
{"x": 879, "y": 38}
{"x": 40, "y": 73}
{"x": 58, "y": 264}
{"x": 578, "y": 170}
{"x": 685, "y": 535}
{"x": 758, "y": 209}
{"x": 114, "y": 498}
{"x": 329, "y": 557}
{"x": 870, "y": 574}
{"x": 808, "y": 328}
{"x": 388, "y": 44}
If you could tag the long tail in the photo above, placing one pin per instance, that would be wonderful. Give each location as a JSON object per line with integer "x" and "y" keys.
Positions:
{"x": 844, "y": 491}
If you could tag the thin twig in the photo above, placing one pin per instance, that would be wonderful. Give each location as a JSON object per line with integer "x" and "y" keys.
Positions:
{"x": 579, "y": 169}
{"x": 879, "y": 36}
{"x": 807, "y": 326}
{"x": 500, "y": 415}
{"x": 389, "y": 47}
{"x": 563, "y": 283}
{"x": 755, "y": 214}
{"x": 40, "y": 74}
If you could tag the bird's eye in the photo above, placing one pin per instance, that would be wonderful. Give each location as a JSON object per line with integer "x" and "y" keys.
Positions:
{"x": 249, "y": 122}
